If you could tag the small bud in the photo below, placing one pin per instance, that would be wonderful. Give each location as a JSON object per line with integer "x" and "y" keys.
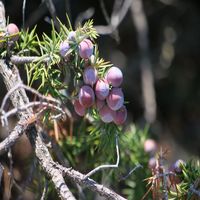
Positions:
{"x": 92, "y": 60}
{"x": 64, "y": 48}
{"x": 71, "y": 36}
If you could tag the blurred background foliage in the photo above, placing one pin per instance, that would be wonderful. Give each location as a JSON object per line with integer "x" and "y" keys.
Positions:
{"x": 174, "y": 44}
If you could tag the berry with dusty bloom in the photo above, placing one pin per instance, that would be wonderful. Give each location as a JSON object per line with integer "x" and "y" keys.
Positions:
{"x": 79, "y": 109}
{"x": 114, "y": 76}
{"x": 106, "y": 114}
{"x": 102, "y": 89}
{"x": 90, "y": 76}
{"x": 85, "y": 49}
{"x": 120, "y": 116}
{"x": 115, "y": 99}
{"x": 86, "y": 96}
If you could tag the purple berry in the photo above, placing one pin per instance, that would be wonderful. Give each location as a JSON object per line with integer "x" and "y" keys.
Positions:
{"x": 64, "y": 48}
{"x": 152, "y": 163}
{"x": 12, "y": 29}
{"x": 115, "y": 99}
{"x": 90, "y": 76}
{"x": 106, "y": 114}
{"x": 120, "y": 116}
{"x": 71, "y": 36}
{"x": 114, "y": 76}
{"x": 177, "y": 166}
{"x": 150, "y": 146}
{"x": 102, "y": 89}
{"x": 86, "y": 96}
{"x": 79, "y": 109}
{"x": 100, "y": 104}
{"x": 85, "y": 49}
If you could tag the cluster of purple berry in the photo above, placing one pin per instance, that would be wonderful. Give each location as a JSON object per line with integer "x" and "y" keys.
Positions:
{"x": 105, "y": 93}
{"x": 109, "y": 101}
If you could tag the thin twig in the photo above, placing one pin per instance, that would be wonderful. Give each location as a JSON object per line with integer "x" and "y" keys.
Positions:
{"x": 52, "y": 10}
{"x": 106, "y": 166}
{"x": 84, "y": 16}
{"x": 1, "y": 172}
{"x": 134, "y": 169}
{"x": 17, "y": 60}
{"x": 43, "y": 197}
{"x": 23, "y": 13}
{"x": 6, "y": 115}
{"x": 21, "y": 85}
{"x": 89, "y": 183}
{"x": 148, "y": 91}
{"x": 115, "y": 19}
{"x": 105, "y": 13}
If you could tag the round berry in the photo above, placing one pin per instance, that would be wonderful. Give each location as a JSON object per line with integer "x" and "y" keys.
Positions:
{"x": 79, "y": 109}
{"x": 120, "y": 116}
{"x": 12, "y": 29}
{"x": 85, "y": 48}
{"x": 115, "y": 99}
{"x": 150, "y": 146}
{"x": 90, "y": 76}
{"x": 102, "y": 89}
{"x": 177, "y": 166}
{"x": 152, "y": 163}
{"x": 86, "y": 96}
{"x": 114, "y": 76}
{"x": 64, "y": 48}
{"x": 106, "y": 114}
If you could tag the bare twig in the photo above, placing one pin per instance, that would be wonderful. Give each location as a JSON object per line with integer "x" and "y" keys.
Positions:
{"x": 84, "y": 16}
{"x": 43, "y": 197}
{"x": 21, "y": 85}
{"x": 91, "y": 184}
{"x": 147, "y": 79}
{"x": 23, "y": 13}
{"x": 2, "y": 16}
{"x": 134, "y": 169}
{"x": 6, "y": 115}
{"x": 11, "y": 139}
{"x": 105, "y": 13}
{"x": 52, "y": 10}
{"x": 17, "y": 60}
{"x": 106, "y": 166}
{"x": 1, "y": 172}
{"x": 115, "y": 20}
